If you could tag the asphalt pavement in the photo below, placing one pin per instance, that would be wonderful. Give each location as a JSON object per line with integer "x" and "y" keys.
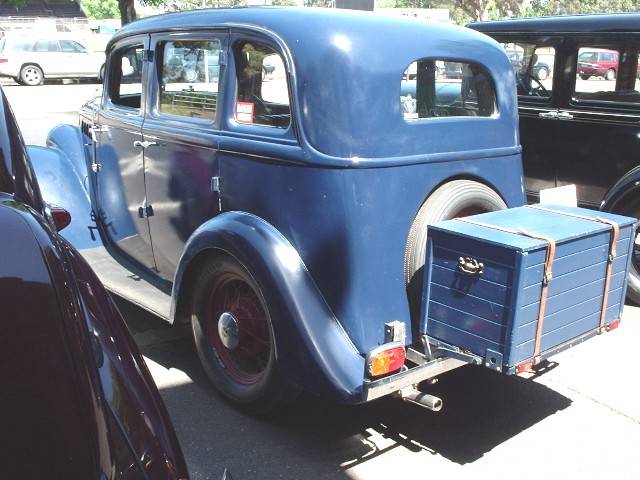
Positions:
{"x": 580, "y": 419}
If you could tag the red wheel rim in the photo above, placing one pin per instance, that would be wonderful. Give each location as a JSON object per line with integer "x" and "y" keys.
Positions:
{"x": 246, "y": 361}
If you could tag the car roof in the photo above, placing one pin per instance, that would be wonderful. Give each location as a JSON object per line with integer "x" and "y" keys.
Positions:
{"x": 346, "y": 71}
{"x": 592, "y": 23}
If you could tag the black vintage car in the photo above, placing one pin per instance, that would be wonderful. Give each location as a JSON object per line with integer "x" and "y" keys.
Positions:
{"x": 78, "y": 400}
{"x": 581, "y": 124}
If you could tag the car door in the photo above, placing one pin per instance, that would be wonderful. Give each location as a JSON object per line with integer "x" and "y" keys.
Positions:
{"x": 46, "y": 54}
{"x": 119, "y": 154}
{"x": 76, "y": 59}
{"x": 181, "y": 138}
{"x": 598, "y": 132}
{"x": 536, "y": 65}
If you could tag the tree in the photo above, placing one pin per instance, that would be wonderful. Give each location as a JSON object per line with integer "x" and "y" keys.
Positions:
{"x": 100, "y": 9}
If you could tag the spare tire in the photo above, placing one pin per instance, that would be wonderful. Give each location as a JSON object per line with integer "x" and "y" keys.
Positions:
{"x": 458, "y": 198}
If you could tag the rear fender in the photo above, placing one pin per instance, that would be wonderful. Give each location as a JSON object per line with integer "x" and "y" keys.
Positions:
{"x": 312, "y": 347}
{"x": 628, "y": 184}
{"x": 61, "y": 184}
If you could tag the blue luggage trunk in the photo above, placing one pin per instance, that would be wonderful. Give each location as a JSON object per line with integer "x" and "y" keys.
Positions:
{"x": 486, "y": 291}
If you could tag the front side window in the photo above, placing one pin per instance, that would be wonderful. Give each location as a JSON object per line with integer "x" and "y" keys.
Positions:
{"x": 71, "y": 47}
{"x": 442, "y": 88}
{"x": 607, "y": 74}
{"x": 533, "y": 67}
{"x": 189, "y": 78}
{"x": 263, "y": 92}
{"x": 125, "y": 76}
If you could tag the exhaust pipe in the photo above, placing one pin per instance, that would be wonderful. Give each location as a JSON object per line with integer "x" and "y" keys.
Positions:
{"x": 415, "y": 396}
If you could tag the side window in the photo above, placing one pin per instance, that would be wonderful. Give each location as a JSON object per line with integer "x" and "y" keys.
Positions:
{"x": 442, "y": 88}
{"x": 23, "y": 46}
{"x": 46, "y": 46}
{"x": 607, "y": 74}
{"x": 189, "y": 77}
{"x": 533, "y": 66}
{"x": 125, "y": 76}
{"x": 263, "y": 93}
{"x": 71, "y": 46}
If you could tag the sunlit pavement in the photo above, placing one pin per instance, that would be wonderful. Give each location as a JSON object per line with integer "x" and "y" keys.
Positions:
{"x": 578, "y": 420}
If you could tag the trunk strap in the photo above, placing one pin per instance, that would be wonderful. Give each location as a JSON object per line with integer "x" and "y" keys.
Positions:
{"x": 548, "y": 274}
{"x": 615, "y": 234}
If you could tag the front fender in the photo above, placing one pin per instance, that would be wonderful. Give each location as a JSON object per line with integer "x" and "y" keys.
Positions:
{"x": 61, "y": 184}
{"x": 312, "y": 347}
{"x": 628, "y": 183}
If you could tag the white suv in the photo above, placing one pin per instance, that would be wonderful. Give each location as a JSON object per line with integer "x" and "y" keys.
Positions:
{"x": 31, "y": 59}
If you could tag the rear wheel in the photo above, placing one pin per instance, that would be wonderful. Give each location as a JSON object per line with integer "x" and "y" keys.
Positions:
{"x": 610, "y": 74}
{"x": 31, "y": 75}
{"x": 585, "y": 77}
{"x": 631, "y": 208}
{"x": 234, "y": 337}
{"x": 459, "y": 198}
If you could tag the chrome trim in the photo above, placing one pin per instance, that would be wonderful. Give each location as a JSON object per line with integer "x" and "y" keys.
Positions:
{"x": 372, "y": 389}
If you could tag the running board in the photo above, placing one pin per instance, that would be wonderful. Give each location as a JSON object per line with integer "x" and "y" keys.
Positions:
{"x": 121, "y": 278}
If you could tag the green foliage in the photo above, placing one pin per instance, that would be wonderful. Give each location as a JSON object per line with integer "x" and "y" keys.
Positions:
{"x": 568, "y": 7}
{"x": 101, "y": 9}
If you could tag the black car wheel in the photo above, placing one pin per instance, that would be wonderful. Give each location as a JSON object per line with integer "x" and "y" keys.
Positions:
{"x": 234, "y": 337}
{"x": 632, "y": 209}
{"x": 584, "y": 76}
{"x": 31, "y": 75}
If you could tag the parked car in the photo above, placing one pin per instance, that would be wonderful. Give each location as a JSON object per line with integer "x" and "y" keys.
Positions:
{"x": 579, "y": 131}
{"x": 78, "y": 399}
{"x": 286, "y": 219}
{"x": 29, "y": 60}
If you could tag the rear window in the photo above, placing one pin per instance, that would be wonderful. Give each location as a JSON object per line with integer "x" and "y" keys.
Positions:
{"x": 433, "y": 88}
{"x": 607, "y": 74}
{"x": 47, "y": 46}
{"x": 22, "y": 45}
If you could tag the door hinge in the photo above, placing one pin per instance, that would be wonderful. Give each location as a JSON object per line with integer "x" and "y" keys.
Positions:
{"x": 148, "y": 55}
{"x": 222, "y": 58}
{"x": 145, "y": 211}
{"x": 215, "y": 184}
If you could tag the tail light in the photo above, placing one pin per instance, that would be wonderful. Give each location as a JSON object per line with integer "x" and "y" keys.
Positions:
{"x": 3, "y": 60}
{"x": 613, "y": 325}
{"x": 388, "y": 358}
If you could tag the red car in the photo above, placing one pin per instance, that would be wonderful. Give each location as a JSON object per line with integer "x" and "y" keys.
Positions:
{"x": 597, "y": 63}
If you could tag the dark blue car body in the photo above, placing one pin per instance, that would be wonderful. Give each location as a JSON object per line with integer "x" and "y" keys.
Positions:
{"x": 318, "y": 212}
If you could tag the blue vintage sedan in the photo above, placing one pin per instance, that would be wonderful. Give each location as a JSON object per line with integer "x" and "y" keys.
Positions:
{"x": 285, "y": 216}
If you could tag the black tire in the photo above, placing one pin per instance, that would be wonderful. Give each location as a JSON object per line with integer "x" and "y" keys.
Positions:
{"x": 610, "y": 74}
{"x": 31, "y": 75}
{"x": 458, "y": 198}
{"x": 252, "y": 382}
{"x": 585, "y": 77}
{"x": 631, "y": 208}
{"x": 101, "y": 74}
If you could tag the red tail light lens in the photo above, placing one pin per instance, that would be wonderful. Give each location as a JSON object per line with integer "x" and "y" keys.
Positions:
{"x": 613, "y": 325}
{"x": 524, "y": 366}
{"x": 385, "y": 359}
{"x": 61, "y": 218}
{"x": 3, "y": 60}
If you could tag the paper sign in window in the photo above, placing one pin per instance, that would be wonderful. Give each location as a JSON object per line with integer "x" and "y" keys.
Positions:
{"x": 244, "y": 112}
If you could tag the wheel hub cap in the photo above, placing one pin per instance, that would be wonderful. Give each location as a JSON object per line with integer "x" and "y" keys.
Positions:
{"x": 228, "y": 330}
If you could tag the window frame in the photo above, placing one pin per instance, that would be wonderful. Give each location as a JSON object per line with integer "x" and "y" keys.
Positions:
{"x": 153, "y": 109}
{"x": 610, "y": 41}
{"x": 229, "y": 123}
{"x": 107, "y": 103}
{"x": 487, "y": 71}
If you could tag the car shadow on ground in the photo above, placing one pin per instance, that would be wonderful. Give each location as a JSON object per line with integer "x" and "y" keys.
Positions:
{"x": 317, "y": 439}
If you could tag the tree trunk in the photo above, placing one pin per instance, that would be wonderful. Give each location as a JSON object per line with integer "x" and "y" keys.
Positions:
{"x": 127, "y": 11}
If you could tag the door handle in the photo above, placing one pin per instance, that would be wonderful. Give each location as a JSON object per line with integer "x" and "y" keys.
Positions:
{"x": 144, "y": 144}
{"x": 553, "y": 115}
{"x": 564, "y": 116}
